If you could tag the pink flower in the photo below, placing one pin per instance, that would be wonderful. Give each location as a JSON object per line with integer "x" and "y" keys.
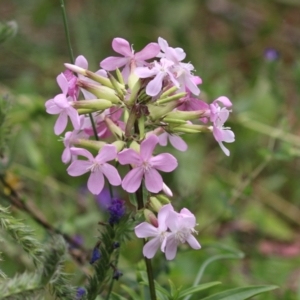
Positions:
{"x": 97, "y": 166}
{"x": 67, "y": 81}
{"x": 173, "y": 229}
{"x": 146, "y": 166}
{"x": 160, "y": 71}
{"x": 69, "y": 139}
{"x": 221, "y": 133}
{"x": 61, "y": 105}
{"x": 181, "y": 226}
{"x": 158, "y": 234}
{"x": 216, "y": 109}
{"x": 174, "y": 54}
{"x": 176, "y": 141}
{"x": 123, "y": 47}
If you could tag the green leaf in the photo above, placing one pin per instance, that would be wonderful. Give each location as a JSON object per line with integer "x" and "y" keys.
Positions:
{"x": 130, "y": 292}
{"x": 242, "y": 293}
{"x": 195, "y": 289}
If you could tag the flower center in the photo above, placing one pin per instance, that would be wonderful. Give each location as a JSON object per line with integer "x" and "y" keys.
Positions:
{"x": 146, "y": 166}
{"x": 95, "y": 167}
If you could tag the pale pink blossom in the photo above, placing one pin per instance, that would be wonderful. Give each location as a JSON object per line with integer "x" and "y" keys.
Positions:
{"x": 61, "y": 105}
{"x": 145, "y": 166}
{"x": 122, "y": 47}
{"x": 67, "y": 81}
{"x": 70, "y": 138}
{"x": 97, "y": 166}
{"x": 173, "y": 54}
{"x": 160, "y": 71}
{"x": 181, "y": 226}
{"x": 158, "y": 234}
{"x": 221, "y": 133}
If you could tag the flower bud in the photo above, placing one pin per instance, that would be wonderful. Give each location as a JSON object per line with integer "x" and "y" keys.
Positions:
{"x": 150, "y": 217}
{"x": 170, "y": 98}
{"x": 120, "y": 145}
{"x": 90, "y": 144}
{"x": 92, "y": 105}
{"x": 155, "y": 204}
{"x": 163, "y": 199}
{"x": 115, "y": 129}
{"x": 101, "y": 92}
{"x": 186, "y": 115}
{"x": 157, "y": 112}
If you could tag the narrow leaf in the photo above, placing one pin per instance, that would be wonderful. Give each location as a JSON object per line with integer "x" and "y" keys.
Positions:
{"x": 195, "y": 289}
{"x": 242, "y": 293}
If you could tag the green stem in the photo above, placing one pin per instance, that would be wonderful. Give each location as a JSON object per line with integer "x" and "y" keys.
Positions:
{"x": 67, "y": 32}
{"x": 140, "y": 203}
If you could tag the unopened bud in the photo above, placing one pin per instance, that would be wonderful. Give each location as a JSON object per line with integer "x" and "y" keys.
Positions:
{"x": 186, "y": 115}
{"x": 169, "y": 99}
{"x": 92, "y": 105}
{"x": 90, "y": 144}
{"x": 101, "y": 92}
{"x": 155, "y": 204}
{"x": 150, "y": 217}
{"x": 163, "y": 199}
{"x": 114, "y": 129}
{"x": 120, "y": 145}
{"x": 157, "y": 112}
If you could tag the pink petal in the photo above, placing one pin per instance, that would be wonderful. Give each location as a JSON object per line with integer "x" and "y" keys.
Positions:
{"x": 66, "y": 156}
{"x": 107, "y": 153}
{"x": 61, "y": 101}
{"x": 129, "y": 156}
{"x": 191, "y": 240}
{"x": 121, "y": 46}
{"x": 61, "y": 123}
{"x": 132, "y": 180}
{"x": 145, "y": 230}
{"x": 113, "y": 62}
{"x": 111, "y": 174}
{"x": 226, "y": 102}
{"x": 224, "y": 149}
{"x": 164, "y": 162}
{"x": 189, "y": 83}
{"x": 172, "y": 221}
{"x": 74, "y": 116}
{"x": 151, "y": 248}
{"x": 143, "y": 72}
{"x": 63, "y": 83}
{"x": 171, "y": 248}
{"x": 178, "y": 143}
{"x": 81, "y": 62}
{"x": 163, "y": 44}
{"x": 95, "y": 182}
{"x": 163, "y": 215}
{"x": 155, "y": 85}
{"x": 147, "y": 147}
{"x": 153, "y": 181}
{"x": 82, "y": 152}
{"x": 52, "y": 108}
{"x": 150, "y": 51}
{"x": 79, "y": 167}
{"x": 228, "y": 136}
{"x": 163, "y": 139}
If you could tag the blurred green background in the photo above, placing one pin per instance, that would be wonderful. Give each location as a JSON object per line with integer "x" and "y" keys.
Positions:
{"x": 246, "y": 50}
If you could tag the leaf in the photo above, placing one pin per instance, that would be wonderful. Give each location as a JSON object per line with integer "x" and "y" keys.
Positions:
{"x": 130, "y": 292}
{"x": 195, "y": 289}
{"x": 242, "y": 293}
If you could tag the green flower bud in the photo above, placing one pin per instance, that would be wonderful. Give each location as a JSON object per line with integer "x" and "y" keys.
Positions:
{"x": 92, "y": 105}
{"x": 155, "y": 204}
{"x": 150, "y": 217}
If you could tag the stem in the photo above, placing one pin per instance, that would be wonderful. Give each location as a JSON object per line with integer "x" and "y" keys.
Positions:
{"x": 67, "y": 32}
{"x": 140, "y": 203}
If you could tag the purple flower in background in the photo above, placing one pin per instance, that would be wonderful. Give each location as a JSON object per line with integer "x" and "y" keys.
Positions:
{"x": 96, "y": 254}
{"x": 80, "y": 293}
{"x": 271, "y": 54}
{"x": 116, "y": 211}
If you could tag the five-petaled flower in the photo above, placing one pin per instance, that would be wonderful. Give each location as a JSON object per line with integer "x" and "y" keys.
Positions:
{"x": 145, "y": 166}
{"x": 98, "y": 167}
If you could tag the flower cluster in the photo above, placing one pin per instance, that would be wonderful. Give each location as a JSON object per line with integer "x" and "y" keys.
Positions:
{"x": 169, "y": 230}
{"x": 153, "y": 99}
